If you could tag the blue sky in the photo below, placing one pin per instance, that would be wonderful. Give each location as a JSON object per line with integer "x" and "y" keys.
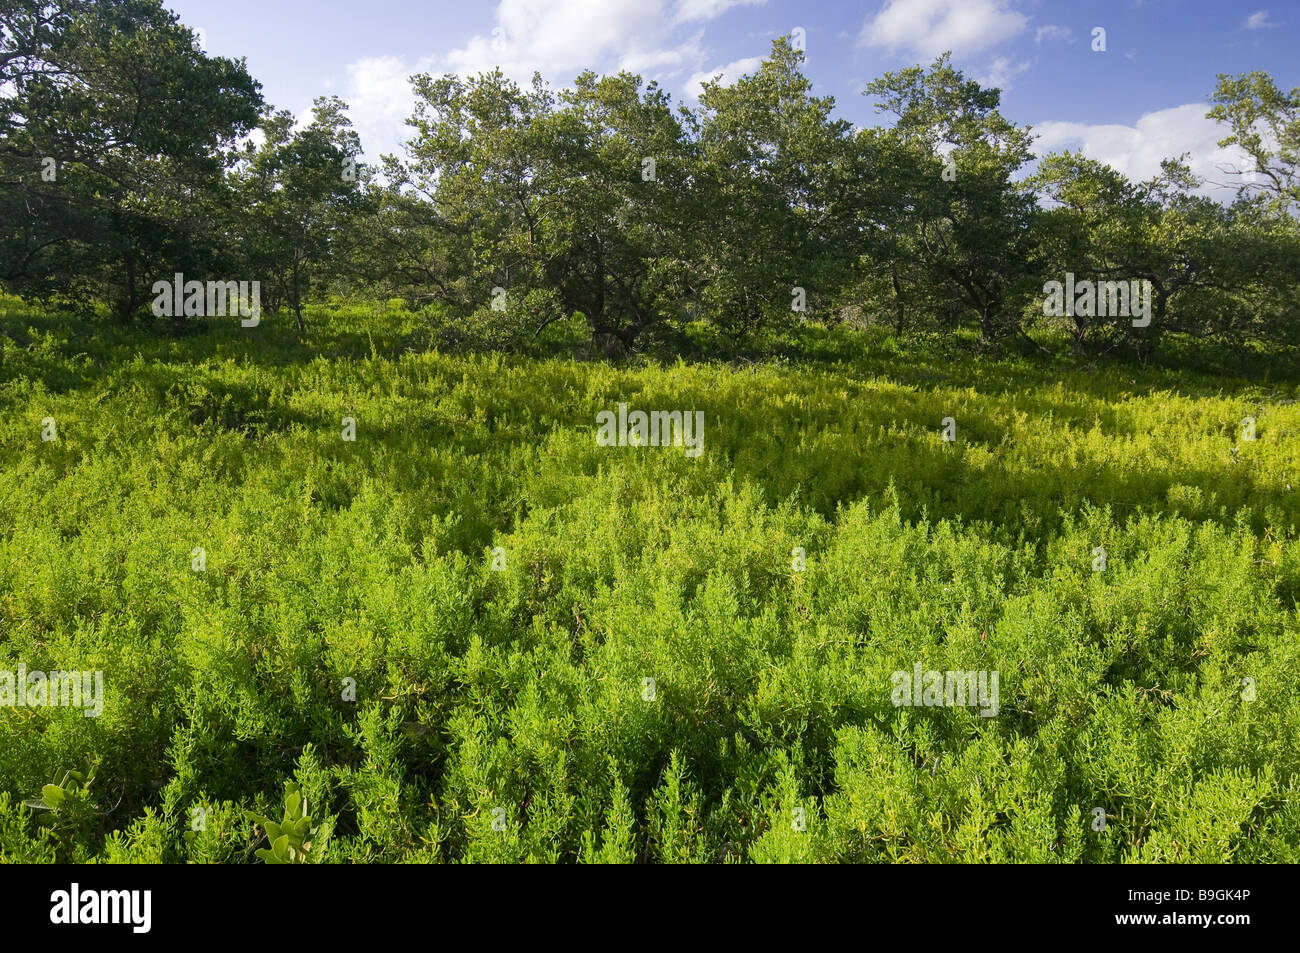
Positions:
{"x": 1142, "y": 99}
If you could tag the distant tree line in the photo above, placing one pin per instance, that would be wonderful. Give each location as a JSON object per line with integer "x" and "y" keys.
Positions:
{"x": 128, "y": 154}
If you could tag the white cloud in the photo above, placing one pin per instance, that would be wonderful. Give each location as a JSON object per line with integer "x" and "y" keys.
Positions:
{"x": 1001, "y": 71}
{"x": 562, "y": 37}
{"x": 557, "y": 38}
{"x": 1258, "y": 21}
{"x": 379, "y": 99}
{"x": 729, "y": 74}
{"x": 1137, "y": 150}
{"x": 927, "y": 28}
{"x": 1052, "y": 33}
{"x": 668, "y": 60}
{"x": 689, "y": 10}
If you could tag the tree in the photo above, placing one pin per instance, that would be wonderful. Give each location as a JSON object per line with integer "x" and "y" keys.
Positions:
{"x": 1265, "y": 124}
{"x": 1213, "y": 270}
{"x": 958, "y": 211}
{"x": 569, "y": 203}
{"x": 481, "y": 160}
{"x": 613, "y": 243}
{"x": 775, "y": 182}
{"x": 116, "y": 130}
{"x": 301, "y": 191}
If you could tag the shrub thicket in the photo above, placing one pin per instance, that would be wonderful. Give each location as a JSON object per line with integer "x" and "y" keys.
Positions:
{"x": 504, "y": 714}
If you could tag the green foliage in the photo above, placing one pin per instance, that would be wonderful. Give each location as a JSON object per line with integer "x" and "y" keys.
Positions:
{"x": 502, "y": 714}
{"x": 473, "y": 634}
{"x": 290, "y": 837}
{"x": 1263, "y": 121}
{"x": 64, "y": 792}
{"x": 73, "y": 810}
{"x": 298, "y": 195}
{"x": 1215, "y": 271}
{"x": 116, "y": 129}
{"x": 603, "y": 219}
{"x": 957, "y": 214}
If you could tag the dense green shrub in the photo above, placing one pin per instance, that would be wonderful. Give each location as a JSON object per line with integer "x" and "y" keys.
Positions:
{"x": 442, "y": 631}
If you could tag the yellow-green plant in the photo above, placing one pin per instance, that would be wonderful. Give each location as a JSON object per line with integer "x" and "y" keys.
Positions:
{"x": 290, "y": 837}
{"x": 66, "y": 791}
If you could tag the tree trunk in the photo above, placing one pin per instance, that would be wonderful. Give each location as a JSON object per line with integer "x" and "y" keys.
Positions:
{"x": 128, "y": 302}
{"x": 298, "y": 299}
{"x": 898, "y": 300}
{"x": 1146, "y": 344}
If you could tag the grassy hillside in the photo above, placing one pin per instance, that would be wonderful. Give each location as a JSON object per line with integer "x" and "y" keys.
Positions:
{"x": 504, "y": 714}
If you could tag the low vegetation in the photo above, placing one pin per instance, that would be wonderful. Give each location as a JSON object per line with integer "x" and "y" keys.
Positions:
{"x": 473, "y": 634}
